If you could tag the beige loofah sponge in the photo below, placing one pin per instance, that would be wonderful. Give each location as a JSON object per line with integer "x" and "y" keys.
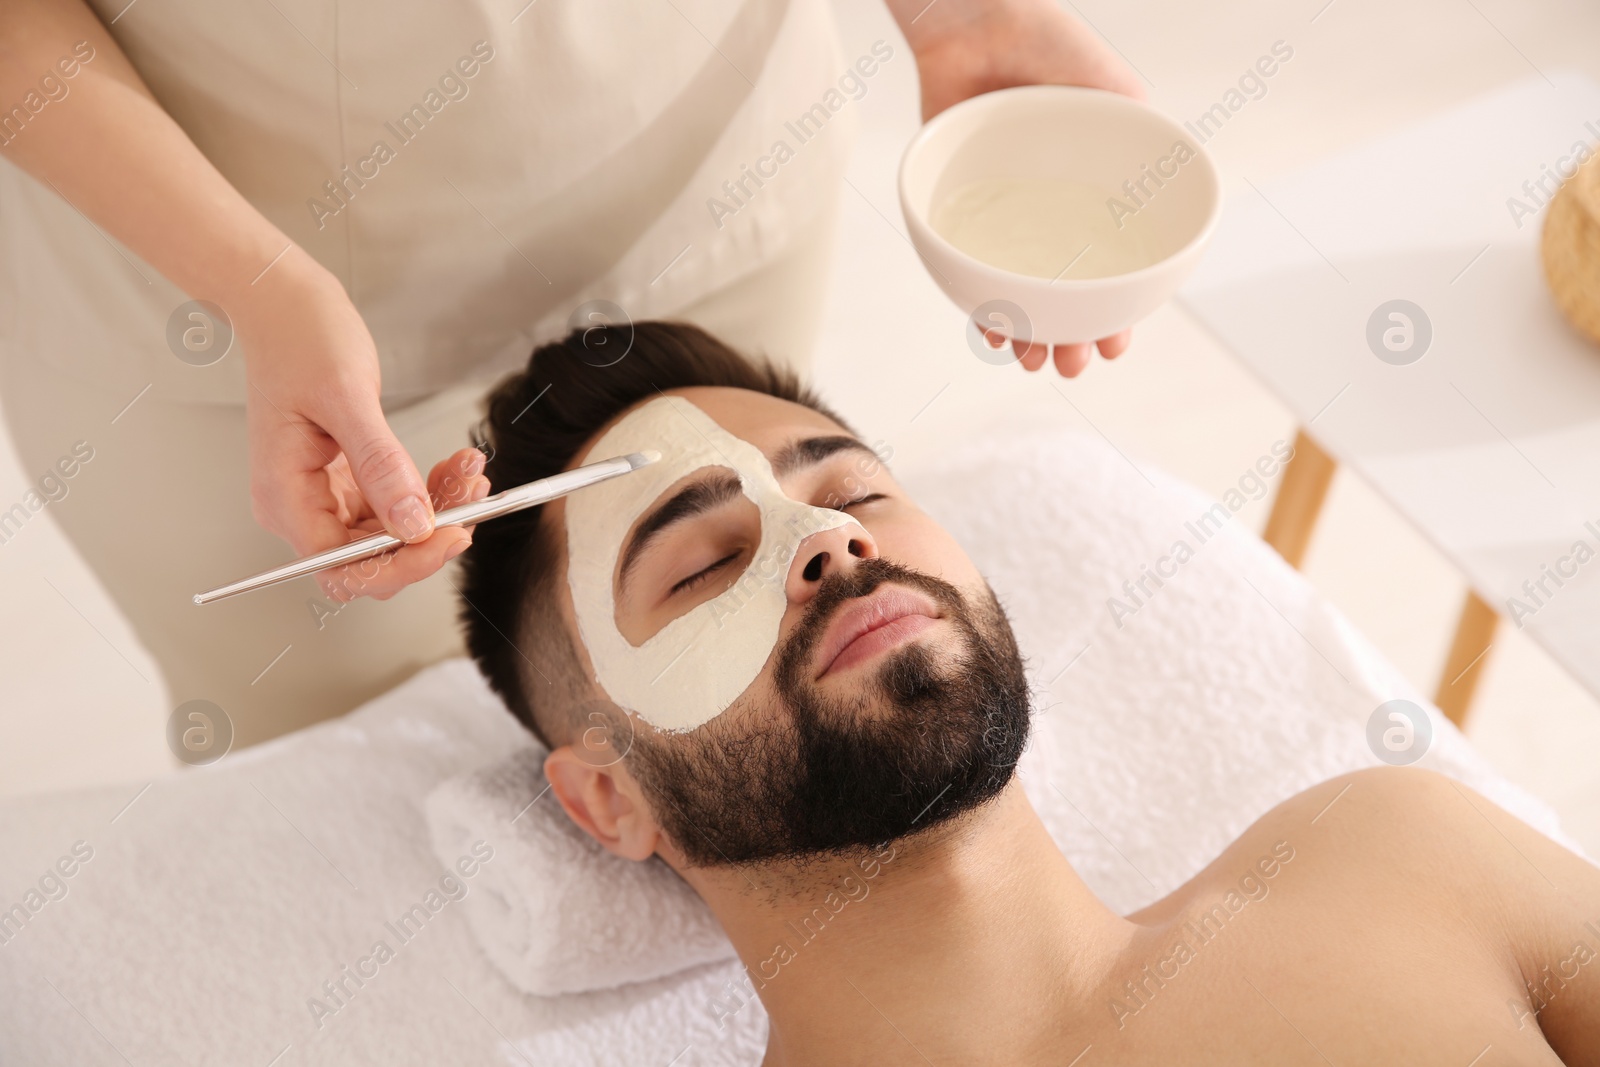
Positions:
{"x": 1571, "y": 248}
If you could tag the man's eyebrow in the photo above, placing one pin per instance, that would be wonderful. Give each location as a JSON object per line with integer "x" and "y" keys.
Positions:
{"x": 693, "y": 499}
{"x": 810, "y": 451}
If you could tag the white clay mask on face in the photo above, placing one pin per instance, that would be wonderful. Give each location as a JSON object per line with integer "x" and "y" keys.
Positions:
{"x": 695, "y": 667}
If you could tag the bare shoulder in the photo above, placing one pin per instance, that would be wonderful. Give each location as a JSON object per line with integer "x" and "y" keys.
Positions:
{"x": 1438, "y": 833}
{"x": 1442, "y": 856}
{"x": 1394, "y": 818}
{"x": 1409, "y": 813}
{"x": 1428, "y": 845}
{"x": 1335, "y": 834}
{"x": 1416, "y": 896}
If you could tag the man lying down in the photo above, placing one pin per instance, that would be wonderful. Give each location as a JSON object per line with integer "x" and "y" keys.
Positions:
{"x": 819, "y": 684}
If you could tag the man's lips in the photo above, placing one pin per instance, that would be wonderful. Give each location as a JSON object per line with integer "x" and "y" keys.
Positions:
{"x": 873, "y": 624}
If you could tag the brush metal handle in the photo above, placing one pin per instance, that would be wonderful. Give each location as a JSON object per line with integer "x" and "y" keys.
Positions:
{"x": 490, "y": 507}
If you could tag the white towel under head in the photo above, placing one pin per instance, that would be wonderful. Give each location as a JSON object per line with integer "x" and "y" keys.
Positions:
{"x": 556, "y": 912}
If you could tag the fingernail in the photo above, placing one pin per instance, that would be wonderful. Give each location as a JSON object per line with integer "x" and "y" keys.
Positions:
{"x": 480, "y": 491}
{"x": 410, "y": 517}
{"x": 456, "y": 551}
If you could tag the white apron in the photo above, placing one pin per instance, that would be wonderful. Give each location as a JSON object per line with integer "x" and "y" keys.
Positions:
{"x": 470, "y": 171}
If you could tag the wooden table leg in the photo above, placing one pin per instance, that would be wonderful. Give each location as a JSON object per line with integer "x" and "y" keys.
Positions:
{"x": 1468, "y": 653}
{"x": 1304, "y": 487}
{"x": 1306, "y": 479}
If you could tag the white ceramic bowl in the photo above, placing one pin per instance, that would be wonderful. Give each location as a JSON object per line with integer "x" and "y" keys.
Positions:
{"x": 1069, "y": 134}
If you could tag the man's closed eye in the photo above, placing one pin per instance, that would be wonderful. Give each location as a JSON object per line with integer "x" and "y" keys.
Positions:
{"x": 870, "y": 498}
{"x": 700, "y": 576}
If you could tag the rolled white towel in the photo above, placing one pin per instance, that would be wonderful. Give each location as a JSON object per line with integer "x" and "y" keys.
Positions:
{"x": 534, "y": 910}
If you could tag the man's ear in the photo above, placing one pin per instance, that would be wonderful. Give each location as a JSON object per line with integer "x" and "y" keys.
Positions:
{"x": 605, "y": 801}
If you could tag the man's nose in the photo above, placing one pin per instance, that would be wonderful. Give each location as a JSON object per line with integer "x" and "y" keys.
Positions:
{"x": 834, "y": 551}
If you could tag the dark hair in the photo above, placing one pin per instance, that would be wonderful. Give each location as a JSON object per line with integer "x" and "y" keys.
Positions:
{"x": 535, "y": 422}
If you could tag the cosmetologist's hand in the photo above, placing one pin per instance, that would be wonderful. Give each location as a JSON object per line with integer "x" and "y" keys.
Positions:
{"x": 324, "y": 466}
{"x": 968, "y": 47}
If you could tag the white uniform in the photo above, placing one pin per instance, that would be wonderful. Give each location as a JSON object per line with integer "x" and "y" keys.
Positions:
{"x": 471, "y": 173}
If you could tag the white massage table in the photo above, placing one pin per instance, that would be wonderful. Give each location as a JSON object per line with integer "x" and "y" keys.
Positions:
{"x": 218, "y": 901}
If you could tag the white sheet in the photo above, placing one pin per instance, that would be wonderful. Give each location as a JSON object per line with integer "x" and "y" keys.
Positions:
{"x": 220, "y": 900}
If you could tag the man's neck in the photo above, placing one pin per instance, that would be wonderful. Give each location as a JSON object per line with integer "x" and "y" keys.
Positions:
{"x": 945, "y": 946}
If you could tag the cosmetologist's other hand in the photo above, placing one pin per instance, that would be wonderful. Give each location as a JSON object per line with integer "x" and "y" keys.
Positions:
{"x": 968, "y": 47}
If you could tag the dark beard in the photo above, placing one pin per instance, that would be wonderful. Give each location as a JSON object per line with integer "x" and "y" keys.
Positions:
{"x": 927, "y": 738}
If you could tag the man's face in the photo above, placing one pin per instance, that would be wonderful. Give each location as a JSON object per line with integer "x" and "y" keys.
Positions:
{"x": 893, "y": 698}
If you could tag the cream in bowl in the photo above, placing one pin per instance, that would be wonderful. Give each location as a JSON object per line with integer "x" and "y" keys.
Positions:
{"x": 1084, "y": 209}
